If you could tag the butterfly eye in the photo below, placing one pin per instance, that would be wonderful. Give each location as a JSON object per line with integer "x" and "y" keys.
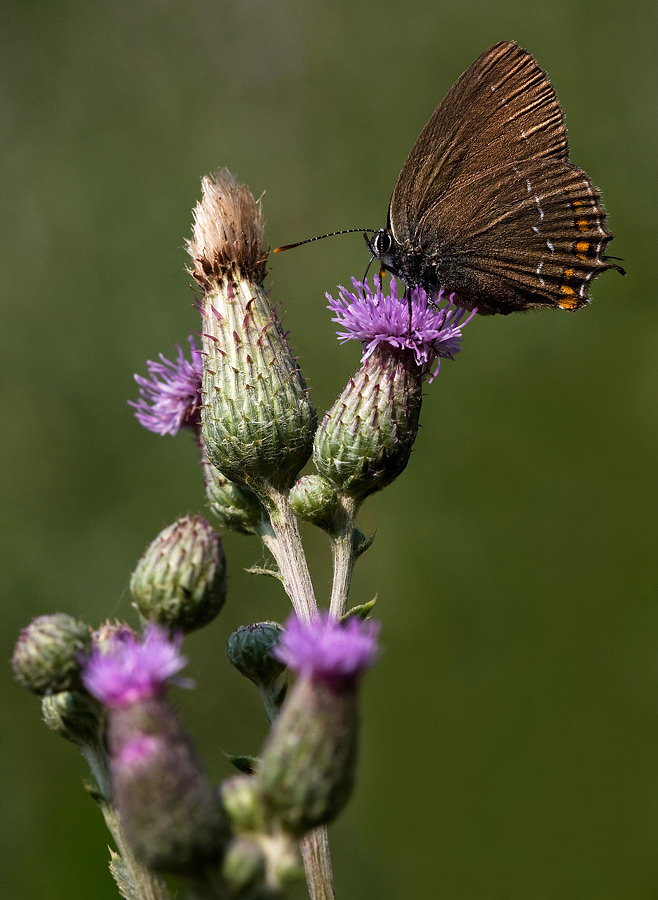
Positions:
{"x": 381, "y": 243}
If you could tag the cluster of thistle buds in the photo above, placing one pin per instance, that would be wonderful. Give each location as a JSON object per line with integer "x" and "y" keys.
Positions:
{"x": 243, "y": 398}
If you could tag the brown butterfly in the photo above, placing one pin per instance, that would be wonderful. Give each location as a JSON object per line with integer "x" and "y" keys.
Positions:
{"x": 488, "y": 205}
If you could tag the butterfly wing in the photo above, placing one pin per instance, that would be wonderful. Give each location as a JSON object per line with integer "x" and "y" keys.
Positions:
{"x": 487, "y": 203}
{"x": 464, "y": 133}
{"x": 542, "y": 248}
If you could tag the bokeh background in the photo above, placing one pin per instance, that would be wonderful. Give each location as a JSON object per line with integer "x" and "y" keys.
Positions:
{"x": 510, "y": 731}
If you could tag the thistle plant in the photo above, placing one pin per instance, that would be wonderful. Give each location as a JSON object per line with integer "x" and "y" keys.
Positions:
{"x": 240, "y": 394}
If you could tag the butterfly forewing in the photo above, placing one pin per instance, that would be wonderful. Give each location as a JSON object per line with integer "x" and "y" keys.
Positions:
{"x": 503, "y": 91}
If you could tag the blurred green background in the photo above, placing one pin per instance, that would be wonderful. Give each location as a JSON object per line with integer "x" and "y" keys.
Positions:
{"x": 510, "y": 731}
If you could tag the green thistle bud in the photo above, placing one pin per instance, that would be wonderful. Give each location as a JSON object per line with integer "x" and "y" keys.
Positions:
{"x": 315, "y": 500}
{"x": 47, "y": 655}
{"x": 257, "y": 418}
{"x": 74, "y": 716}
{"x": 249, "y": 650}
{"x": 365, "y": 440}
{"x": 180, "y": 581}
{"x": 234, "y": 506}
{"x": 243, "y": 804}
{"x": 244, "y": 864}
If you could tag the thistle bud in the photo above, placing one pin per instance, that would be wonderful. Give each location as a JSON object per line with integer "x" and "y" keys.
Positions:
{"x": 315, "y": 500}
{"x": 234, "y": 506}
{"x": 250, "y": 651}
{"x": 47, "y": 655}
{"x": 307, "y": 765}
{"x": 243, "y": 865}
{"x": 257, "y": 418}
{"x": 243, "y": 804}
{"x": 75, "y": 716}
{"x": 168, "y": 810}
{"x": 180, "y": 581}
{"x": 110, "y": 634}
{"x": 366, "y": 438}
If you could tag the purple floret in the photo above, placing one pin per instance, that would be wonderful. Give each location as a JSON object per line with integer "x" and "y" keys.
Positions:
{"x": 129, "y": 669}
{"x": 326, "y": 649}
{"x": 170, "y": 398}
{"x": 378, "y": 318}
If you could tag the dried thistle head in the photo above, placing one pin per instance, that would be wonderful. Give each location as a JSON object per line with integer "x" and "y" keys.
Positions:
{"x": 228, "y": 232}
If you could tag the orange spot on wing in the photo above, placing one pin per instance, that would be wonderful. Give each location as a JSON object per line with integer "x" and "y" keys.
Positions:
{"x": 582, "y": 225}
{"x": 582, "y": 249}
{"x": 568, "y": 300}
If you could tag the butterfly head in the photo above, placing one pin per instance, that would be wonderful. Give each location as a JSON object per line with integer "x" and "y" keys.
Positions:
{"x": 381, "y": 245}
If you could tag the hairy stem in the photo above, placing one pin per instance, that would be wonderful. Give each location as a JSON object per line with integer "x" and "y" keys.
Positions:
{"x": 285, "y": 545}
{"x": 317, "y": 864}
{"x": 342, "y": 546}
{"x": 145, "y": 884}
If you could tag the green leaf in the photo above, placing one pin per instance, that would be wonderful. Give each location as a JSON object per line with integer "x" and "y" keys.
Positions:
{"x": 361, "y": 542}
{"x": 265, "y": 570}
{"x": 362, "y": 611}
{"x": 121, "y": 875}
{"x": 245, "y": 764}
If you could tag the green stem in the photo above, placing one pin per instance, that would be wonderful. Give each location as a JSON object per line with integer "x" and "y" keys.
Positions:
{"x": 342, "y": 546}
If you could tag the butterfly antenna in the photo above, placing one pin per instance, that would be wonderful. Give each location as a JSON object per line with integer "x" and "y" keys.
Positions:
{"x": 321, "y": 237}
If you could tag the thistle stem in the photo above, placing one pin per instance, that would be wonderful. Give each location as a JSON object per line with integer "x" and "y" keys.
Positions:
{"x": 145, "y": 884}
{"x": 317, "y": 864}
{"x": 285, "y": 545}
{"x": 342, "y": 546}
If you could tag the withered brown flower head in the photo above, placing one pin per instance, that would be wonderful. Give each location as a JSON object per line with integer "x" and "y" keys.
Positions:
{"x": 228, "y": 232}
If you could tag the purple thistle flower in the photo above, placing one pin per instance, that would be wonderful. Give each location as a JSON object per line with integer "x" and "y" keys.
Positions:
{"x": 128, "y": 669}
{"x": 378, "y": 318}
{"x": 170, "y": 398}
{"x": 328, "y": 650}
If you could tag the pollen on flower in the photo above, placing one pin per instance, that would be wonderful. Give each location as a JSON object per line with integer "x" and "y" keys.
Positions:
{"x": 433, "y": 333}
{"x": 328, "y": 650}
{"x": 127, "y": 669}
{"x": 170, "y": 398}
